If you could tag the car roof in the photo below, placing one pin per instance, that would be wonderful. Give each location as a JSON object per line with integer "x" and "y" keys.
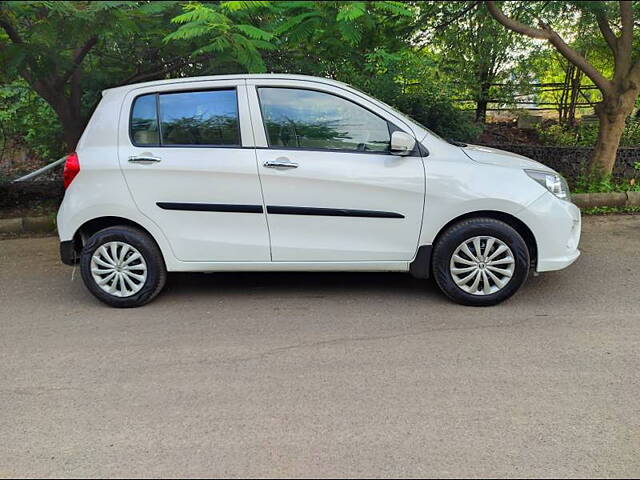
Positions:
{"x": 247, "y": 76}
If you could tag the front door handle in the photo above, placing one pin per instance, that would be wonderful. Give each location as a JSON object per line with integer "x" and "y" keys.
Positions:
{"x": 144, "y": 159}
{"x": 280, "y": 163}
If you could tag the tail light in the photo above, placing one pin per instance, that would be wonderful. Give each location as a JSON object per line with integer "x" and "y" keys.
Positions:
{"x": 71, "y": 169}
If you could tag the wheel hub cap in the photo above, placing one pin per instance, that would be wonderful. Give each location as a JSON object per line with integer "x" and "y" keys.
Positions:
{"x": 119, "y": 269}
{"x": 482, "y": 265}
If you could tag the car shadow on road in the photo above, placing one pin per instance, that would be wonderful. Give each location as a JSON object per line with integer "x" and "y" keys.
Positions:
{"x": 300, "y": 283}
{"x": 338, "y": 285}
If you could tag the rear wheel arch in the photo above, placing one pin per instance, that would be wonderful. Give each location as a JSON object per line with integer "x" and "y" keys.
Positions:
{"x": 90, "y": 227}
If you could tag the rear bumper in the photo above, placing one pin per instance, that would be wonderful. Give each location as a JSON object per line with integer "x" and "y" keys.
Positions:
{"x": 68, "y": 254}
{"x": 556, "y": 225}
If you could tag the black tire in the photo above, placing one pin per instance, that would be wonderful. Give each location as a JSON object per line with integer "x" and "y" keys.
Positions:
{"x": 156, "y": 270}
{"x": 455, "y": 235}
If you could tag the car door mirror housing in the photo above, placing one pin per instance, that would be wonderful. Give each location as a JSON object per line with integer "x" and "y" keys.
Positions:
{"x": 402, "y": 143}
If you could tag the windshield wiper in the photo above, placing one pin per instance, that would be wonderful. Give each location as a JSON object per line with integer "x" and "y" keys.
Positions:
{"x": 456, "y": 142}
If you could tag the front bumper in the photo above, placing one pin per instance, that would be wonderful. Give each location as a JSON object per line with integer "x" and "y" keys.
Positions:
{"x": 556, "y": 225}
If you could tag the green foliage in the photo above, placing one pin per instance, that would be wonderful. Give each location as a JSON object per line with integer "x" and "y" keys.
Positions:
{"x": 610, "y": 210}
{"x": 371, "y": 45}
{"x": 585, "y": 134}
{"x": 366, "y": 44}
{"x": 474, "y": 52}
{"x": 27, "y": 119}
{"x": 605, "y": 184}
{"x": 68, "y": 52}
{"x": 408, "y": 82}
{"x": 221, "y": 35}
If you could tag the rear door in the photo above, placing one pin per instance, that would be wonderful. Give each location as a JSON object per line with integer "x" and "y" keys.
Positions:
{"x": 187, "y": 154}
{"x": 332, "y": 189}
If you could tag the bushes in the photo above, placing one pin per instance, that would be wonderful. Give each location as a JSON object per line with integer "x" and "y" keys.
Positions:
{"x": 25, "y": 118}
{"x": 585, "y": 134}
{"x": 439, "y": 115}
{"x": 596, "y": 184}
{"x": 409, "y": 81}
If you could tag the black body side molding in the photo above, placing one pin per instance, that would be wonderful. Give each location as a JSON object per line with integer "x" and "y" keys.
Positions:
{"x": 210, "y": 207}
{"x": 277, "y": 210}
{"x": 330, "y": 212}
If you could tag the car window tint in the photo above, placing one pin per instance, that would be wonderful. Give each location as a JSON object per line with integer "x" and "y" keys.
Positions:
{"x": 199, "y": 118}
{"x": 309, "y": 119}
{"x": 144, "y": 121}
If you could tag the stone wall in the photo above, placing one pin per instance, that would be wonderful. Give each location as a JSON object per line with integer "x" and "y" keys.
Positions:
{"x": 573, "y": 161}
{"x": 30, "y": 195}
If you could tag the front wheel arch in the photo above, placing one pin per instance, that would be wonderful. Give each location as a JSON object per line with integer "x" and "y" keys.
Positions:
{"x": 515, "y": 223}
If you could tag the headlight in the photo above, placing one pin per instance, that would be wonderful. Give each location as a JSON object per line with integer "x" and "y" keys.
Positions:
{"x": 552, "y": 182}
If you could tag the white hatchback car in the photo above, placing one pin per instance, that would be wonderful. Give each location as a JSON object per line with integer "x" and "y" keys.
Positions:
{"x": 295, "y": 173}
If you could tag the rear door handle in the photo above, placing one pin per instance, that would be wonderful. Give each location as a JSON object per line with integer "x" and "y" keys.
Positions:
{"x": 144, "y": 159}
{"x": 280, "y": 163}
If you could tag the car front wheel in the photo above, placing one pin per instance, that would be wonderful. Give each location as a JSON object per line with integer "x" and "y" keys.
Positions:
{"x": 123, "y": 267}
{"x": 480, "y": 261}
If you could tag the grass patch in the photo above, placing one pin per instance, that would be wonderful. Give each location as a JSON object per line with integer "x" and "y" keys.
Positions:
{"x": 605, "y": 185}
{"x": 610, "y": 210}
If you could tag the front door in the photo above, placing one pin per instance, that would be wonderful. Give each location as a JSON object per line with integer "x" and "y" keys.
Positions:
{"x": 182, "y": 155}
{"x": 332, "y": 190}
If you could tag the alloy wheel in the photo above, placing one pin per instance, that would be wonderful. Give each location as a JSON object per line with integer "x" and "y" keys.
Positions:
{"x": 482, "y": 265}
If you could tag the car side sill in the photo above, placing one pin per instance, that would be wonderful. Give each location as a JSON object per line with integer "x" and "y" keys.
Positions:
{"x": 379, "y": 266}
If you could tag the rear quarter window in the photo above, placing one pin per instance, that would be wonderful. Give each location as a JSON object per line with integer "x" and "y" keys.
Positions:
{"x": 144, "y": 121}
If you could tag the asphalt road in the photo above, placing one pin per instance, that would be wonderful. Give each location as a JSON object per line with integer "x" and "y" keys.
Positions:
{"x": 333, "y": 375}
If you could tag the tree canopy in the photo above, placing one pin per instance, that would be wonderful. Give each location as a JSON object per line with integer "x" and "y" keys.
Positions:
{"x": 444, "y": 63}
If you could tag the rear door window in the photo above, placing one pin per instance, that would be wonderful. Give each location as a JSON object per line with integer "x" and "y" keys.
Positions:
{"x": 201, "y": 118}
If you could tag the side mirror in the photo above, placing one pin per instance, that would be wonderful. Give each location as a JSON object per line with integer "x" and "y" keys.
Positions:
{"x": 402, "y": 143}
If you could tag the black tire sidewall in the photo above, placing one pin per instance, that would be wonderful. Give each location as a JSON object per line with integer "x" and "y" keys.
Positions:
{"x": 156, "y": 271}
{"x": 465, "y": 230}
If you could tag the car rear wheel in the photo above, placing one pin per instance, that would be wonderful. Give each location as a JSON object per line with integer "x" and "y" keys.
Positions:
{"x": 480, "y": 261}
{"x": 123, "y": 267}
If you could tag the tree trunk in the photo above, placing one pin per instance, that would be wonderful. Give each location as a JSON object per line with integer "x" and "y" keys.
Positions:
{"x": 481, "y": 111}
{"x": 612, "y": 114}
{"x": 67, "y": 107}
{"x": 482, "y": 101}
{"x": 71, "y": 120}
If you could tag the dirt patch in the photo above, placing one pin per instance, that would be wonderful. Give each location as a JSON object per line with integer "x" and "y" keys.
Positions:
{"x": 507, "y": 133}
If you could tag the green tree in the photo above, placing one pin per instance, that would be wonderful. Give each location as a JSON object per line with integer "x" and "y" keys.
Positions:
{"x": 224, "y": 29}
{"x": 67, "y": 52}
{"x": 317, "y": 37}
{"x": 27, "y": 119}
{"x": 476, "y": 54}
{"x": 620, "y": 88}
{"x": 369, "y": 45}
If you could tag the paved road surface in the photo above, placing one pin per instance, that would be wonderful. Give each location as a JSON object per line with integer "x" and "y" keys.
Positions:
{"x": 312, "y": 375}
